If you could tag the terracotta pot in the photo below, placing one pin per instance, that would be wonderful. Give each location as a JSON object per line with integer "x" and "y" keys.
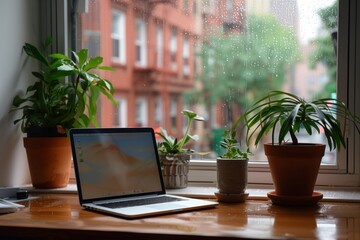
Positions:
{"x": 294, "y": 168}
{"x": 232, "y": 175}
{"x": 175, "y": 169}
{"x": 49, "y": 161}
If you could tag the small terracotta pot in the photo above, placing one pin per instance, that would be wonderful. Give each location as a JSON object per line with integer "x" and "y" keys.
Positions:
{"x": 49, "y": 161}
{"x": 294, "y": 168}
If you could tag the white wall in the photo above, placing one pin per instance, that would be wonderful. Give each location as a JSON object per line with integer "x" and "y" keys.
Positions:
{"x": 19, "y": 23}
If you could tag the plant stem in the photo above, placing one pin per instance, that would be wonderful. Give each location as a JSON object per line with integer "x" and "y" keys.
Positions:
{"x": 186, "y": 133}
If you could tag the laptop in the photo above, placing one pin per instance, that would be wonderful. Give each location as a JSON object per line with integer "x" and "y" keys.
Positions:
{"x": 118, "y": 172}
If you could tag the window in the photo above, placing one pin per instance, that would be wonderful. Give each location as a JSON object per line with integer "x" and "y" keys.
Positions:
{"x": 140, "y": 43}
{"x": 141, "y": 112}
{"x": 159, "y": 46}
{"x": 118, "y": 37}
{"x": 92, "y": 40}
{"x": 186, "y": 53}
{"x": 243, "y": 48}
{"x": 195, "y": 7}
{"x": 173, "y": 50}
{"x": 159, "y": 120}
{"x": 186, "y": 6}
{"x": 173, "y": 114}
{"x": 120, "y": 113}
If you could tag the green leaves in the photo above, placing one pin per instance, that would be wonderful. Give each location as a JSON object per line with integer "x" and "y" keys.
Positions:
{"x": 284, "y": 114}
{"x": 232, "y": 146}
{"x": 171, "y": 144}
{"x": 56, "y": 99}
{"x": 33, "y": 52}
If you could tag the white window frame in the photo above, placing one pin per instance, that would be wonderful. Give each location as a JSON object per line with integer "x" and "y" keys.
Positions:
{"x": 159, "y": 46}
{"x": 119, "y": 35}
{"x": 140, "y": 43}
{"x": 347, "y": 171}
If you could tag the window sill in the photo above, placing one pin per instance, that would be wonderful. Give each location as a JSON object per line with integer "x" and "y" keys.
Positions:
{"x": 260, "y": 193}
{"x": 255, "y": 192}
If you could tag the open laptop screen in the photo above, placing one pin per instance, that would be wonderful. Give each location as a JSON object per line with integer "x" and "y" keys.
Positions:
{"x": 115, "y": 162}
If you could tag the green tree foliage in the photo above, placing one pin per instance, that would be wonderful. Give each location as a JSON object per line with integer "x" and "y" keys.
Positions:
{"x": 238, "y": 67}
{"x": 324, "y": 52}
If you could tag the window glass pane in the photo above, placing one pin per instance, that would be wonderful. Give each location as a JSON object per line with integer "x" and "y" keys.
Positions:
{"x": 173, "y": 49}
{"x": 232, "y": 52}
{"x": 141, "y": 112}
{"x": 120, "y": 113}
{"x": 118, "y": 36}
{"x": 159, "y": 46}
{"x": 140, "y": 42}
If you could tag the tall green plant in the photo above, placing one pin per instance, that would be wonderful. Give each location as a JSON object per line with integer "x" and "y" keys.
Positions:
{"x": 282, "y": 114}
{"x": 53, "y": 100}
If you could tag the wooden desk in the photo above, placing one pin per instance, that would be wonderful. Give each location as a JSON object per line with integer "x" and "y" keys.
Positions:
{"x": 59, "y": 216}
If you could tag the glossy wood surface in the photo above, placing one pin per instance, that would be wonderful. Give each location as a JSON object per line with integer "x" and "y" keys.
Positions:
{"x": 59, "y": 216}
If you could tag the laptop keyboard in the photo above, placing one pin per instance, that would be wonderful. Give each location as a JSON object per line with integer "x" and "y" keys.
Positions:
{"x": 140, "y": 202}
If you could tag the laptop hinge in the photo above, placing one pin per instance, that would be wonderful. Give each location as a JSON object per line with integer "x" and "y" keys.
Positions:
{"x": 126, "y": 198}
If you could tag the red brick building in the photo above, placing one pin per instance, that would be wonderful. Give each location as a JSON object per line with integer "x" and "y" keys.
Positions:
{"x": 150, "y": 44}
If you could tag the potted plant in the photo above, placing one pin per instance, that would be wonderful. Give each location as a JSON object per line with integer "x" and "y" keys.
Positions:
{"x": 174, "y": 157}
{"x": 232, "y": 169}
{"x": 294, "y": 165}
{"x": 52, "y": 105}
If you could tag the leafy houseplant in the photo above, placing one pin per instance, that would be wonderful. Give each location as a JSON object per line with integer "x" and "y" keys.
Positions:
{"x": 52, "y": 101}
{"x": 231, "y": 146}
{"x": 174, "y": 156}
{"x": 52, "y": 105}
{"x": 283, "y": 115}
{"x": 232, "y": 170}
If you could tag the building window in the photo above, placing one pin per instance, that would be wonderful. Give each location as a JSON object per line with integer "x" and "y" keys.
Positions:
{"x": 229, "y": 10}
{"x": 140, "y": 43}
{"x": 186, "y": 6}
{"x": 120, "y": 113}
{"x": 195, "y": 7}
{"x": 186, "y": 54}
{"x": 159, "y": 46}
{"x": 141, "y": 112}
{"x": 92, "y": 42}
{"x": 159, "y": 119}
{"x": 173, "y": 49}
{"x": 173, "y": 114}
{"x": 118, "y": 37}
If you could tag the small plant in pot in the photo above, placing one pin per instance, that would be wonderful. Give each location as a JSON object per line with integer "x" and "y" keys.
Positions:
{"x": 232, "y": 170}
{"x": 52, "y": 105}
{"x": 174, "y": 157}
{"x": 294, "y": 165}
